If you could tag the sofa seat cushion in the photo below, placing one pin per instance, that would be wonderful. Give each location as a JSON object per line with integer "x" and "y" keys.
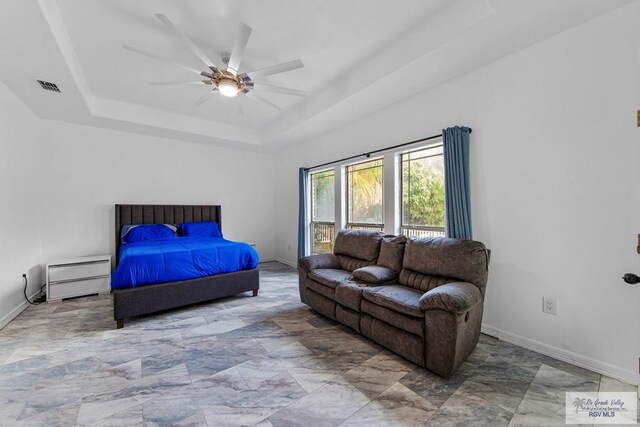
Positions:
{"x": 410, "y": 324}
{"x": 375, "y": 274}
{"x": 329, "y": 276}
{"x": 395, "y": 297}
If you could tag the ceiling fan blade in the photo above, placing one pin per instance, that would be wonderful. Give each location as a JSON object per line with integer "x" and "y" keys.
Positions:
{"x": 244, "y": 31}
{"x": 180, "y": 82}
{"x": 202, "y": 99}
{"x": 159, "y": 58}
{"x": 275, "y": 69}
{"x": 187, "y": 41}
{"x": 278, "y": 89}
{"x": 265, "y": 101}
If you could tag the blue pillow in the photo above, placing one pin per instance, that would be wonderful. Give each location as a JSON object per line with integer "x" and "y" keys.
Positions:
{"x": 139, "y": 233}
{"x": 200, "y": 229}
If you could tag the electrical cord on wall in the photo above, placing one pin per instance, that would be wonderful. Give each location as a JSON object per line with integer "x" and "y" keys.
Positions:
{"x": 26, "y": 283}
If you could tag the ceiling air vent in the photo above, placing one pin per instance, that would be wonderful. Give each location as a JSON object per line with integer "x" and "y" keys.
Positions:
{"x": 49, "y": 86}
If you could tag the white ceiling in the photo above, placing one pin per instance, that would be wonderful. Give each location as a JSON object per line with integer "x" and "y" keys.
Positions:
{"x": 355, "y": 52}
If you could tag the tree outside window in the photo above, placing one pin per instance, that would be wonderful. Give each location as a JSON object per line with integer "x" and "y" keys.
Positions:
{"x": 365, "y": 195}
{"x": 423, "y": 201}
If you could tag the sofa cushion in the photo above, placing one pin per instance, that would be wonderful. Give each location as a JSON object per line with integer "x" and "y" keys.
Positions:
{"x": 392, "y": 252}
{"x": 329, "y": 276}
{"x": 415, "y": 325}
{"x": 395, "y": 297}
{"x": 323, "y": 290}
{"x": 463, "y": 260}
{"x": 361, "y": 244}
{"x": 375, "y": 274}
{"x": 349, "y": 263}
{"x": 421, "y": 282}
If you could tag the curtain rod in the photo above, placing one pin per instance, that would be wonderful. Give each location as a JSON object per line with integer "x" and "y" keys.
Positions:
{"x": 377, "y": 151}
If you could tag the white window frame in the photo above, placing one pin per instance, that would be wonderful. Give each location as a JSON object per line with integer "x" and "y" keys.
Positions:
{"x": 309, "y": 228}
{"x": 391, "y": 192}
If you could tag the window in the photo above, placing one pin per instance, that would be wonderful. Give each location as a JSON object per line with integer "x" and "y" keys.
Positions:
{"x": 422, "y": 203}
{"x": 322, "y": 211}
{"x": 365, "y": 195}
{"x": 402, "y": 191}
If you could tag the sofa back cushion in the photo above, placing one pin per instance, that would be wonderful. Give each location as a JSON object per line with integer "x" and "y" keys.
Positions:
{"x": 349, "y": 263}
{"x": 359, "y": 244}
{"x": 433, "y": 261}
{"x": 392, "y": 252}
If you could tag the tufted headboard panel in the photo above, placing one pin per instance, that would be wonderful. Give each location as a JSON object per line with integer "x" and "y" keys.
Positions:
{"x": 163, "y": 214}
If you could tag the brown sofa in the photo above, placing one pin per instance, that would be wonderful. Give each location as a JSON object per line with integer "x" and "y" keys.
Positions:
{"x": 420, "y": 297}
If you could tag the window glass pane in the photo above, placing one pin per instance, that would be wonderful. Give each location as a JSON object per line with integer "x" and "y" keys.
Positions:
{"x": 423, "y": 188}
{"x": 322, "y": 211}
{"x": 322, "y": 196}
{"x": 364, "y": 190}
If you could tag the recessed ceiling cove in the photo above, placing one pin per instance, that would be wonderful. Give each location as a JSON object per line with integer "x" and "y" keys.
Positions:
{"x": 163, "y": 67}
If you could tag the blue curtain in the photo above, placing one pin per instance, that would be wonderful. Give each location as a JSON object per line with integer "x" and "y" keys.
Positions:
{"x": 302, "y": 212}
{"x": 456, "y": 182}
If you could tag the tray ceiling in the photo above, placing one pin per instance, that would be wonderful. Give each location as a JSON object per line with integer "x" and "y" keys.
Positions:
{"x": 359, "y": 56}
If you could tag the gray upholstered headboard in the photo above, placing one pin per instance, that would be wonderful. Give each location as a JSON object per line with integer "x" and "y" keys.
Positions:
{"x": 164, "y": 214}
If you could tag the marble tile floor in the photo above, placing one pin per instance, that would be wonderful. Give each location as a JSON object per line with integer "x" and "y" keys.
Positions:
{"x": 265, "y": 361}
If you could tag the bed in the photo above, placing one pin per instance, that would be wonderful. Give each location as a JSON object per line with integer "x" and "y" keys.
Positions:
{"x": 140, "y": 300}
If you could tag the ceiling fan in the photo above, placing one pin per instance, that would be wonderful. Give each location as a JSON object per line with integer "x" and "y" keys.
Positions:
{"x": 227, "y": 79}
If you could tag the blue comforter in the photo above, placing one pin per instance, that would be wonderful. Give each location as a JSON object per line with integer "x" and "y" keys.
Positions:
{"x": 183, "y": 258}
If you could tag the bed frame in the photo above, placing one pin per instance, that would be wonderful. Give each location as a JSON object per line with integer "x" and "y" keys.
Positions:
{"x": 132, "y": 302}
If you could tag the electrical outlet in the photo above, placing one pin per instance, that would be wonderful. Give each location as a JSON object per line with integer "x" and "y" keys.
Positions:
{"x": 549, "y": 305}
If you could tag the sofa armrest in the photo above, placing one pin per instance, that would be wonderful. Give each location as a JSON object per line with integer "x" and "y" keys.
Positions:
{"x": 314, "y": 262}
{"x": 455, "y": 297}
{"x": 375, "y": 274}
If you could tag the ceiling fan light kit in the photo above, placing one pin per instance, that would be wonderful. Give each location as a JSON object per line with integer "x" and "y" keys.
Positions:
{"x": 228, "y": 81}
{"x": 228, "y": 87}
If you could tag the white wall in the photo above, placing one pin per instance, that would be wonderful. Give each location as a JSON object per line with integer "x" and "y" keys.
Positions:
{"x": 59, "y": 182}
{"x": 555, "y": 175}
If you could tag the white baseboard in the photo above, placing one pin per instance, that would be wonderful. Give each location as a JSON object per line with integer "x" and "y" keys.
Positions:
{"x": 289, "y": 263}
{"x": 598, "y": 366}
{"x": 19, "y": 309}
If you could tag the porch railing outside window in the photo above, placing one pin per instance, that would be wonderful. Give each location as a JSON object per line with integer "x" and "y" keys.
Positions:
{"x": 422, "y": 231}
{"x": 356, "y": 226}
{"x": 323, "y": 237}
{"x": 322, "y": 226}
